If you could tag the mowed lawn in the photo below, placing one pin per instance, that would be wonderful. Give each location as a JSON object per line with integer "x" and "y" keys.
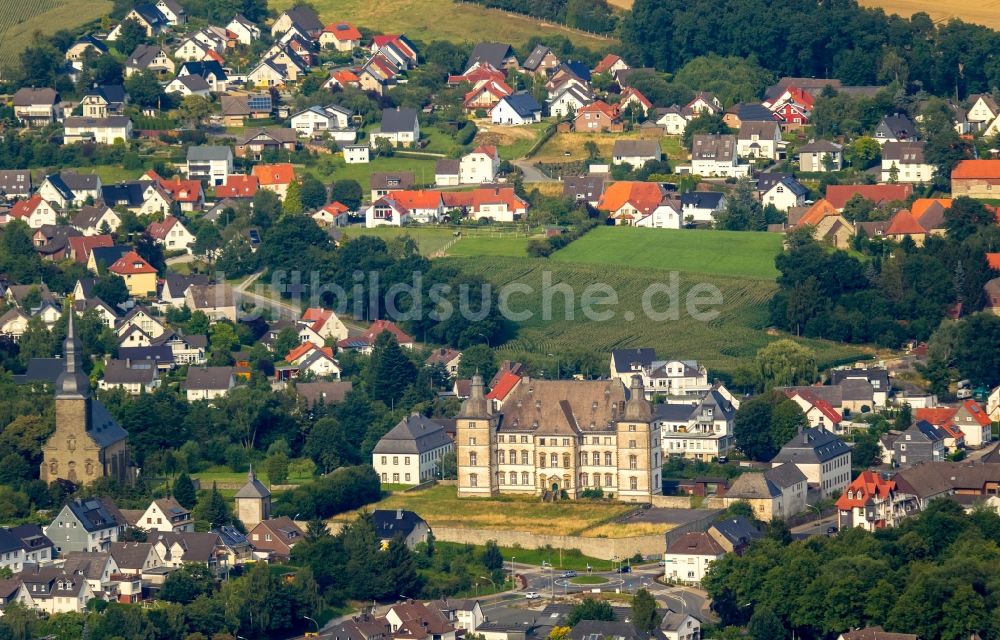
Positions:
{"x": 490, "y": 245}
{"x": 728, "y": 253}
{"x": 441, "y": 507}
{"x": 436, "y": 242}
{"x": 20, "y": 20}
{"x": 722, "y": 342}
{"x": 422, "y": 168}
{"x": 429, "y": 20}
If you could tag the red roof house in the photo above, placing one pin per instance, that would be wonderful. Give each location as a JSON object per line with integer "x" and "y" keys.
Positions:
{"x": 366, "y": 340}
{"x": 238, "y": 186}
{"x": 839, "y": 194}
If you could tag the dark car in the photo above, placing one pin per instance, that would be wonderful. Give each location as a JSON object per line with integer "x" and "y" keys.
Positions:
{"x": 831, "y": 530}
{"x": 625, "y": 569}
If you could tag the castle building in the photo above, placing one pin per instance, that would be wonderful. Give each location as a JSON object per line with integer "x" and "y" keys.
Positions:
{"x": 253, "y": 502}
{"x": 555, "y": 436}
{"x": 88, "y": 443}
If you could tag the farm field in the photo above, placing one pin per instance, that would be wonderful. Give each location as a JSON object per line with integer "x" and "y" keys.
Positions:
{"x": 554, "y": 150}
{"x": 722, "y": 343}
{"x": 726, "y": 253}
{"x": 441, "y": 507}
{"x": 428, "y": 20}
{"x": 20, "y": 20}
{"x": 985, "y": 13}
{"x": 431, "y": 241}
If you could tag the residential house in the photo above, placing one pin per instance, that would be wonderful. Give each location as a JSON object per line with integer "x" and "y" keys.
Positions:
{"x": 703, "y": 102}
{"x": 671, "y": 119}
{"x": 611, "y": 64}
{"x": 211, "y": 164}
{"x": 364, "y": 342}
{"x": 166, "y": 514}
{"x": 178, "y": 549}
{"x": 399, "y": 126}
{"x": 498, "y": 55}
{"x": 96, "y": 220}
{"x": 700, "y": 207}
{"x": 356, "y": 153}
{"x": 759, "y": 140}
{"x": 238, "y": 187}
{"x": 386, "y": 212}
{"x": 974, "y": 422}
{"x": 793, "y": 108}
{"x": 895, "y": 128}
{"x": 135, "y": 558}
{"x": 323, "y": 324}
{"x": 597, "y": 117}
{"x": 975, "y": 178}
{"x": 175, "y": 287}
{"x": 276, "y": 537}
{"x": 302, "y": 17}
{"x": 14, "y": 323}
{"x": 411, "y": 451}
{"x": 877, "y": 377}
{"x": 390, "y": 523}
{"x": 698, "y": 428}
{"x": 216, "y": 301}
{"x": 870, "y": 502}
{"x": 132, "y": 378}
{"x": 715, "y": 155}
{"x": 779, "y": 492}
{"x": 70, "y": 189}
{"x": 235, "y": 546}
{"x": 541, "y": 60}
{"x": 636, "y": 153}
{"x": 632, "y": 98}
{"x": 627, "y": 201}
{"x": 570, "y": 99}
{"x": 87, "y": 524}
{"x": 838, "y": 194}
{"x": 171, "y": 234}
{"x": 236, "y": 109}
{"x": 99, "y": 130}
{"x": 275, "y": 177}
{"x": 921, "y": 442}
{"x": 335, "y": 214}
{"x": 78, "y": 51}
{"x": 588, "y": 188}
{"x": 736, "y": 115}
{"x": 245, "y": 31}
{"x": 818, "y": 411}
{"x": 821, "y": 156}
{"x": 139, "y": 275}
{"x": 52, "y": 590}
{"x": 680, "y": 626}
{"x": 35, "y": 212}
{"x": 342, "y": 36}
{"x": 479, "y": 165}
{"x": 983, "y": 111}
{"x": 735, "y": 535}
{"x": 141, "y": 319}
{"x": 499, "y": 204}
{"x": 689, "y": 556}
{"x": 485, "y": 95}
{"x": 414, "y": 621}
{"x": 343, "y": 78}
{"x": 447, "y": 358}
{"x": 149, "y": 57}
{"x": 875, "y": 633}
{"x": 148, "y": 16}
{"x": 104, "y": 101}
{"x": 447, "y": 172}
{"x": 208, "y": 383}
{"x": 516, "y": 109}
{"x": 15, "y": 184}
{"x": 36, "y": 107}
{"x": 822, "y": 457}
{"x": 904, "y": 162}
{"x": 382, "y": 183}
{"x": 781, "y": 190}
{"x": 268, "y": 74}
{"x": 254, "y": 142}
{"x": 188, "y": 350}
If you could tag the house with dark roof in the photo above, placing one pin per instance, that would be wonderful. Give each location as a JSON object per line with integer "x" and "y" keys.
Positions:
{"x": 15, "y": 184}
{"x": 275, "y": 537}
{"x": 302, "y": 18}
{"x": 821, "y": 456}
{"x": 498, "y": 55}
{"x": 135, "y": 558}
{"x": 178, "y": 549}
{"x": 209, "y": 163}
{"x": 103, "y": 101}
{"x": 149, "y": 57}
{"x": 904, "y": 162}
{"x": 734, "y": 534}
{"x": 85, "y": 524}
{"x": 208, "y": 383}
{"x": 715, "y": 155}
{"x": 758, "y": 140}
{"x": 35, "y": 107}
{"x": 411, "y": 451}
{"x": 541, "y": 60}
{"x": 820, "y": 156}
{"x": 895, "y": 128}
{"x": 166, "y": 514}
{"x": 921, "y": 442}
{"x": 399, "y": 126}
{"x": 700, "y": 207}
{"x": 325, "y": 392}
{"x": 779, "y": 492}
{"x": 689, "y": 556}
{"x": 131, "y": 377}
{"x": 635, "y": 153}
{"x": 736, "y": 115}
{"x": 588, "y": 188}
{"x": 390, "y": 523}
{"x": 516, "y": 109}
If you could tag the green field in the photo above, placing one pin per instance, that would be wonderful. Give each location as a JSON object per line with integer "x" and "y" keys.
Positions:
{"x": 474, "y": 241}
{"x": 588, "y": 580}
{"x": 422, "y": 168}
{"x": 430, "y": 240}
{"x": 110, "y": 174}
{"x": 722, "y": 343}
{"x": 20, "y": 20}
{"x": 727, "y": 253}
{"x": 507, "y": 245}
{"x": 429, "y": 20}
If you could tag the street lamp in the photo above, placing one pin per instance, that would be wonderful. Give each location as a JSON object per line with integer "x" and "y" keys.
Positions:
{"x": 312, "y": 621}
{"x": 512, "y": 584}
{"x": 485, "y": 578}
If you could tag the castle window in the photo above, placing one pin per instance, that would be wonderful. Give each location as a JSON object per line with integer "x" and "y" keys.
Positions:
{"x": 524, "y": 457}
{"x": 565, "y": 461}
{"x": 541, "y": 460}
{"x": 473, "y": 480}
{"x": 513, "y": 477}
{"x": 597, "y": 480}
{"x": 472, "y": 459}
{"x": 633, "y": 483}
{"x": 631, "y": 427}
{"x": 555, "y": 459}
{"x": 607, "y": 458}
{"x": 633, "y": 462}
{"x": 525, "y": 479}
{"x": 609, "y": 479}
{"x": 472, "y": 441}
{"x": 500, "y": 456}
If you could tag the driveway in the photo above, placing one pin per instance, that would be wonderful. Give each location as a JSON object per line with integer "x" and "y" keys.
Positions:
{"x": 531, "y": 172}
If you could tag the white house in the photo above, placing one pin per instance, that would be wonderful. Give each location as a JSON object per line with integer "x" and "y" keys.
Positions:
{"x": 189, "y": 86}
{"x": 266, "y": 74}
{"x": 166, "y": 514}
{"x": 715, "y": 155}
{"x": 332, "y": 119}
{"x": 759, "y": 139}
{"x": 499, "y": 204}
{"x": 399, "y": 126}
{"x": 35, "y": 212}
{"x": 480, "y": 165}
{"x": 689, "y": 556}
{"x": 386, "y": 212}
{"x": 410, "y": 452}
{"x": 904, "y": 162}
{"x": 569, "y": 100}
{"x": 100, "y": 130}
{"x": 208, "y": 383}
{"x": 822, "y": 457}
{"x": 211, "y": 164}
{"x": 356, "y": 153}
{"x": 516, "y": 109}
{"x": 781, "y": 190}
{"x": 701, "y": 206}
{"x": 635, "y": 152}
{"x": 192, "y": 49}
{"x": 246, "y": 32}
{"x": 171, "y": 234}
{"x": 672, "y": 120}
{"x": 666, "y": 215}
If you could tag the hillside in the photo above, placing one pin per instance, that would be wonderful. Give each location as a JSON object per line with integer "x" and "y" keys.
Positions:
{"x": 443, "y": 20}
{"x": 20, "y": 20}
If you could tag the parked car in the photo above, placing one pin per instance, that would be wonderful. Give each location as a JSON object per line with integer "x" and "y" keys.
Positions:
{"x": 532, "y": 595}
{"x": 831, "y": 530}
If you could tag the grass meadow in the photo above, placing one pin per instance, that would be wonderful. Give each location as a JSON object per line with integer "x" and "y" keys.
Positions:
{"x": 20, "y": 20}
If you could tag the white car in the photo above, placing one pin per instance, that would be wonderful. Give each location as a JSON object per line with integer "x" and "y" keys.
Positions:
{"x": 532, "y": 595}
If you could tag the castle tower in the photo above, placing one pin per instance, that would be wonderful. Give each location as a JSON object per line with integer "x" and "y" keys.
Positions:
{"x": 253, "y": 502}
{"x": 639, "y": 459}
{"x": 475, "y": 435}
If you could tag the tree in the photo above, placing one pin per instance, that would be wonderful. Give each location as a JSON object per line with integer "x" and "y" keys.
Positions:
{"x": 112, "y": 289}
{"x": 329, "y": 446}
{"x": 223, "y": 338}
{"x": 207, "y": 241}
{"x": 347, "y": 193}
{"x": 752, "y": 429}
{"x": 130, "y": 35}
{"x": 188, "y": 582}
{"x": 184, "y": 492}
{"x": 590, "y": 609}
{"x": 732, "y": 79}
{"x": 765, "y": 625}
{"x": 743, "y": 211}
{"x": 704, "y": 122}
{"x": 313, "y": 193}
{"x": 864, "y": 152}
{"x": 293, "y": 200}
{"x": 644, "y": 613}
{"x": 276, "y": 467}
{"x": 193, "y": 109}
{"x": 478, "y": 358}
{"x": 213, "y": 509}
{"x": 784, "y": 363}
{"x": 390, "y": 370}
{"x": 787, "y": 419}
{"x": 967, "y": 217}
{"x": 492, "y": 558}
{"x": 144, "y": 89}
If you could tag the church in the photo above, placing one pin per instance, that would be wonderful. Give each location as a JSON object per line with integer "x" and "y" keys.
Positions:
{"x": 559, "y": 438}
{"x": 88, "y": 443}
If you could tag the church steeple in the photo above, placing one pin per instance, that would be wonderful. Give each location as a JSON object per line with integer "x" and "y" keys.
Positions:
{"x": 72, "y": 383}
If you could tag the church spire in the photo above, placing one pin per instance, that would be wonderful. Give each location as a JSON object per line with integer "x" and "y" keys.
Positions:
{"x": 72, "y": 383}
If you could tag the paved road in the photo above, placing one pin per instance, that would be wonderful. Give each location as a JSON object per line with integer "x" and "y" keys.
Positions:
{"x": 531, "y": 172}
{"x": 280, "y": 308}
{"x": 815, "y": 528}
{"x": 187, "y": 257}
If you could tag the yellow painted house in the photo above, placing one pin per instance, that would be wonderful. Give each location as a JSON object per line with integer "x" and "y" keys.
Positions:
{"x": 139, "y": 275}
